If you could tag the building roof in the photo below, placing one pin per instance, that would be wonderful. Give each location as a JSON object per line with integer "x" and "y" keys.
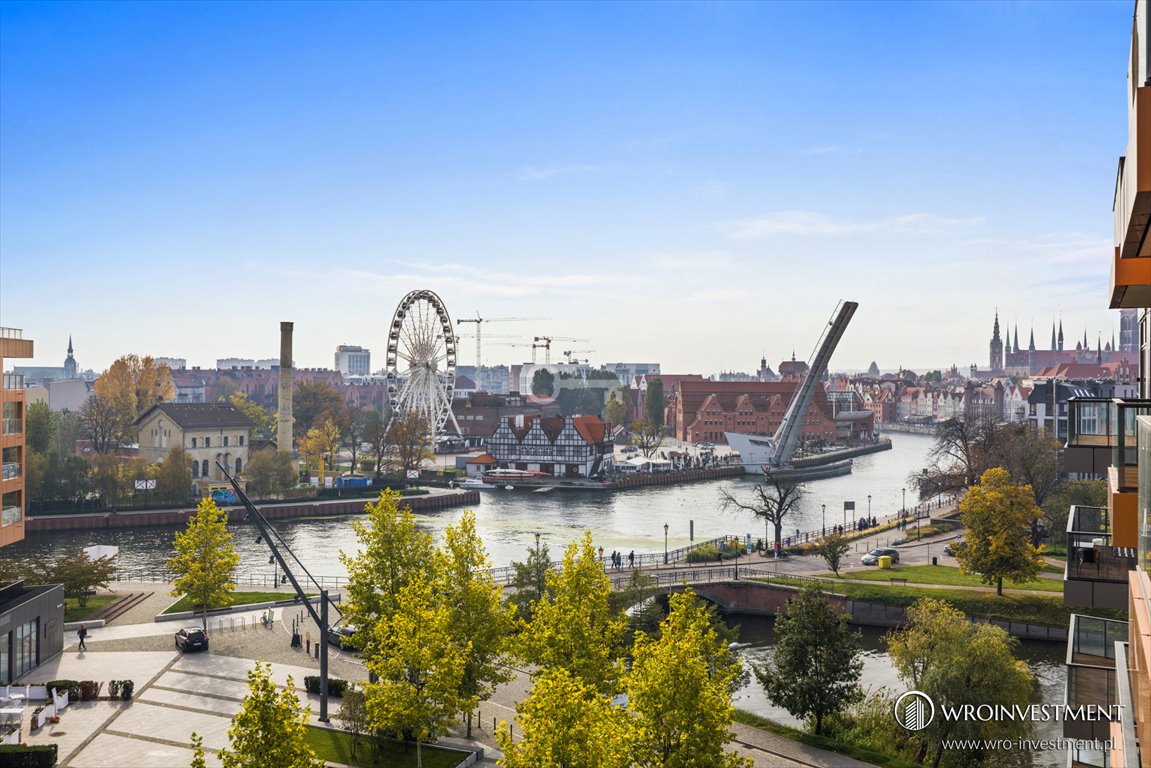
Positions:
{"x": 200, "y": 415}
{"x": 483, "y": 458}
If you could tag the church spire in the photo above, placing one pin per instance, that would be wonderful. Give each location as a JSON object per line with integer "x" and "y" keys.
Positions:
{"x": 995, "y": 335}
{"x": 1060, "y": 334}
{"x": 1053, "y": 342}
{"x": 1031, "y": 346}
{"x": 1016, "y": 336}
{"x": 69, "y": 345}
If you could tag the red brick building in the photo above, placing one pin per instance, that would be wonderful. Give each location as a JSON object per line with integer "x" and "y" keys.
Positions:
{"x": 705, "y": 410}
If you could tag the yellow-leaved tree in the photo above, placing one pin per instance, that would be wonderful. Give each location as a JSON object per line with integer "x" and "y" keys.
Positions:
{"x": 481, "y": 623}
{"x": 574, "y": 626}
{"x": 568, "y": 723}
{"x": 679, "y": 691}
{"x": 997, "y": 544}
{"x": 270, "y": 729}
{"x": 205, "y": 560}
{"x": 419, "y": 667}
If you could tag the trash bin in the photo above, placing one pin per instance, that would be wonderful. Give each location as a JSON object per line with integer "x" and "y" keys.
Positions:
{"x": 934, "y": 560}
{"x": 884, "y": 562}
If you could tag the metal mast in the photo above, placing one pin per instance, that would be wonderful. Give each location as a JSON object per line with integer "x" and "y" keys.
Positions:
{"x": 790, "y": 428}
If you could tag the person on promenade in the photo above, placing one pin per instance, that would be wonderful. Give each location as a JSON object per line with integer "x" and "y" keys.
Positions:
{"x": 82, "y": 633}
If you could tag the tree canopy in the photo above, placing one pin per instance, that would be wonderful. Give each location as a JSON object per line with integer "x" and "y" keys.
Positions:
{"x": 205, "y": 560}
{"x": 270, "y": 729}
{"x": 816, "y": 666}
{"x": 998, "y": 515}
{"x": 773, "y": 499}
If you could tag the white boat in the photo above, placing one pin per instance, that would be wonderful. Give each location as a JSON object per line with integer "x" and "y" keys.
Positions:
{"x": 755, "y": 452}
{"x": 474, "y": 483}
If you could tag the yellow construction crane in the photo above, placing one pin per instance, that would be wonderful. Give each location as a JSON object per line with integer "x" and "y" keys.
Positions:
{"x": 546, "y": 343}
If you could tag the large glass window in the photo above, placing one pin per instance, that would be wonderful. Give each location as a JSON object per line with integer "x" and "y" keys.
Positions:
{"x": 27, "y": 650}
{"x": 5, "y": 658}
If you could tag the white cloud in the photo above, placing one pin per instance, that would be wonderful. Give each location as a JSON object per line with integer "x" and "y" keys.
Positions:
{"x": 811, "y": 224}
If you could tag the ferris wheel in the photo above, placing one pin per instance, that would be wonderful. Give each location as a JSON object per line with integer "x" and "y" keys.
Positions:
{"x": 421, "y": 366}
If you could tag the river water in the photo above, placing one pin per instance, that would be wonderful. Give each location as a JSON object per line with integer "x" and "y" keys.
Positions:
{"x": 625, "y": 521}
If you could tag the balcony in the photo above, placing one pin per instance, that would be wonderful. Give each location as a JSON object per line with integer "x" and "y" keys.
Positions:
{"x": 1096, "y": 571}
{"x": 1091, "y": 671}
{"x": 10, "y": 426}
{"x": 10, "y": 515}
{"x": 14, "y": 381}
{"x": 1130, "y": 282}
{"x": 10, "y": 470}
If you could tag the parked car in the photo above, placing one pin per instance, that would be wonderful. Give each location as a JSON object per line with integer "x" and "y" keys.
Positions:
{"x": 630, "y": 449}
{"x": 341, "y": 636}
{"x": 953, "y": 545}
{"x": 192, "y": 639}
{"x": 872, "y": 557}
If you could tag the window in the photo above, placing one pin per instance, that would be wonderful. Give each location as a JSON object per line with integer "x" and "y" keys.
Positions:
{"x": 204, "y": 468}
{"x": 241, "y": 439}
{"x": 237, "y": 466}
{"x": 27, "y": 650}
{"x": 207, "y": 442}
{"x": 193, "y": 442}
{"x": 225, "y": 441}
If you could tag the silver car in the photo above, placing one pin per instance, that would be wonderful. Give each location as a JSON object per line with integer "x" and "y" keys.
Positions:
{"x": 872, "y": 557}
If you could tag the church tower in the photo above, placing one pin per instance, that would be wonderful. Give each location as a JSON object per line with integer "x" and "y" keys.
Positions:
{"x": 996, "y": 346}
{"x": 1060, "y": 336}
{"x": 70, "y": 362}
{"x": 1128, "y": 330}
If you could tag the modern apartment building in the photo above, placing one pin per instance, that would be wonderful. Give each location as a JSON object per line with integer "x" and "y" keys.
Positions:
{"x": 31, "y": 618}
{"x": 353, "y": 360}
{"x": 1109, "y": 549}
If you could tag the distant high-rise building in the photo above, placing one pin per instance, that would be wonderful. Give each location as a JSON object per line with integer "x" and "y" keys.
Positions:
{"x": 173, "y": 363}
{"x": 353, "y": 360}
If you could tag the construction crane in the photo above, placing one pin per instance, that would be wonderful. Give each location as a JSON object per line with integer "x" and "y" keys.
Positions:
{"x": 569, "y": 352}
{"x": 546, "y": 343}
{"x": 479, "y": 321}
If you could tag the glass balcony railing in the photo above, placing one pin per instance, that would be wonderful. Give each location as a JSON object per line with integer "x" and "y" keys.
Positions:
{"x": 1091, "y": 668}
{"x": 1125, "y": 454}
{"x": 1090, "y": 422}
{"x": 10, "y": 471}
{"x": 13, "y": 381}
{"x": 10, "y": 426}
{"x": 10, "y": 515}
{"x": 1089, "y": 551}
{"x": 11, "y": 333}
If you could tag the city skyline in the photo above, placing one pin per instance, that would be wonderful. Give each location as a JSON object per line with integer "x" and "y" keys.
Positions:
{"x": 690, "y": 184}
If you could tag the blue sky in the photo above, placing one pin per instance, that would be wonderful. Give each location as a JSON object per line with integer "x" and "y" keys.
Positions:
{"x": 690, "y": 183}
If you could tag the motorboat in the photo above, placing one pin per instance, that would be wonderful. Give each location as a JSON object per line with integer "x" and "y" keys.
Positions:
{"x": 474, "y": 484}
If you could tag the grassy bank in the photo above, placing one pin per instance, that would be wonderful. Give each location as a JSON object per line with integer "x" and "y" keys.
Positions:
{"x": 238, "y": 598}
{"x": 336, "y": 747}
{"x": 942, "y": 574}
{"x": 96, "y": 603}
{"x": 822, "y": 742}
{"x": 981, "y": 603}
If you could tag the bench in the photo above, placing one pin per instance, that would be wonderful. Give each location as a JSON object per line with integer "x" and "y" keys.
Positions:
{"x": 896, "y": 579}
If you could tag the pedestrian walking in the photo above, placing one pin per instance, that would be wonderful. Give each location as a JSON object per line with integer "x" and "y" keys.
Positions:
{"x": 631, "y": 559}
{"x": 82, "y": 633}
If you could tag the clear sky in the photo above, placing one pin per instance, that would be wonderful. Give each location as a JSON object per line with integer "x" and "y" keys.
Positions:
{"x": 694, "y": 184}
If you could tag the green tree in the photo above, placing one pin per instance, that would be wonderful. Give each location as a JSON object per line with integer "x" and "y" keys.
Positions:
{"x": 1086, "y": 493}
{"x": 956, "y": 662}
{"x": 104, "y": 423}
{"x": 269, "y": 473}
{"x": 263, "y": 420}
{"x": 567, "y": 723}
{"x": 133, "y": 384}
{"x": 679, "y": 691}
{"x": 174, "y": 475}
{"x": 355, "y": 421}
{"x": 574, "y": 627}
{"x": 616, "y": 409}
{"x": 530, "y": 581}
{"x": 270, "y": 730}
{"x": 481, "y": 624}
{"x": 198, "y": 751}
{"x": 420, "y": 665}
{"x": 963, "y": 449}
{"x": 655, "y": 403}
{"x": 832, "y": 548}
{"x": 353, "y": 716}
{"x": 312, "y": 402}
{"x": 393, "y": 553}
{"x": 773, "y": 500}
{"x": 543, "y": 383}
{"x": 39, "y": 428}
{"x": 205, "y": 560}
{"x": 80, "y": 575}
{"x": 816, "y": 666}
{"x": 998, "y": 515}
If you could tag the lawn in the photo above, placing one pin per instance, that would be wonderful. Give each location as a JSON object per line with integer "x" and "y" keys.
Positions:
{"x": 822, "y": 742}
{"x": 981, "y": 603}
{"x": 238, "y": 598}
{"x": 96, "y": 603}
{"x": 335, "y": 746}
{"x": 943, "y": 574}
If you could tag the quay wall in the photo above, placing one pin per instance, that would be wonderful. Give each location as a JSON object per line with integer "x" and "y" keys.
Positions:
{"x": 47, "y": 523}
{"x": 642, "y": 480}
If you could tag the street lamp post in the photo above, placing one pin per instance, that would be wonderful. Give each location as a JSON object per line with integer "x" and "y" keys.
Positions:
{"x": 869, "y": 509}
{"x": 903, "y": 512}
{"x": 601, "y": 555}
{"x": 824, "y": 519}
{"x": 665, "y": 543}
